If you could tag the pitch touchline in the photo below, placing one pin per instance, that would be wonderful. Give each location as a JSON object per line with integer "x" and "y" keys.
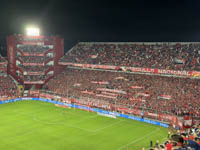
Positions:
{"x": 138, "y": 139}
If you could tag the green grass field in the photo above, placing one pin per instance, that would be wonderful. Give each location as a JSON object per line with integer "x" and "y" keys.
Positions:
{"x": 35, "y": 125}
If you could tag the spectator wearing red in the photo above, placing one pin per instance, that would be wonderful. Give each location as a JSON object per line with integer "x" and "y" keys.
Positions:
{"x": 169, "y": 145}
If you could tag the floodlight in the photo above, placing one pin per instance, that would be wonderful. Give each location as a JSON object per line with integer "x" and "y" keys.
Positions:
{"x": 32, "y": 31}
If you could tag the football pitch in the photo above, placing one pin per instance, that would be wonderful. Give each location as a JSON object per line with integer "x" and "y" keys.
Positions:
{"x": 35, "y": 125}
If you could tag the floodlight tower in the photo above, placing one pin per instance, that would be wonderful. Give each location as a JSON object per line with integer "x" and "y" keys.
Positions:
{"x": 33, "y": 58}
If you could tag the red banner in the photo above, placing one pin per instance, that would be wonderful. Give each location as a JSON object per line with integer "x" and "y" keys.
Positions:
{"x": 100, "y": 82}
{"x": 143, "y": 94}
{"x": 107, "y": 93}
{"x": 3, "y": 98}
{"x": 87, "y": 92}
{"x": 67, "y": 100}
{"x": 48, "y": 96}
{"x": 137, "y": 69}
{"x": 131, "y": 111}
{"x": 168, "y": 97}
{"x": 106, "y": 96}
{"x": 111, "y": 90}
{"x": 137, "y": 87}
{"x": 34, "y": 91}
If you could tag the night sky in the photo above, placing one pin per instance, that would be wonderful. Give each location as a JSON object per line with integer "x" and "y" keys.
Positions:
{"x": 84, "y": 20}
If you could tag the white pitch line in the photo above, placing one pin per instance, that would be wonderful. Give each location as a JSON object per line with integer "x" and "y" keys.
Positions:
{"x": 73, "y": 125}
{"x": 34, "y": 117}
{"x": 138, "y": 139}
{"x": 79, "y": 128}
{"x": 86, "y": 118}
{"x": 99, "y": 129}
{"x": 60, "y": 123}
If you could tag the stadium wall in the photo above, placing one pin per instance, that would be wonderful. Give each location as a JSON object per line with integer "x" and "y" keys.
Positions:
{"x": 90, "y": 109}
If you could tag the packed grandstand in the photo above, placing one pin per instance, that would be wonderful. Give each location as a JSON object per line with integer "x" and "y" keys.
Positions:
{"x": 175, "y": 56}
{"x": 158, "y": 97}
{"x": 156, "y": 94}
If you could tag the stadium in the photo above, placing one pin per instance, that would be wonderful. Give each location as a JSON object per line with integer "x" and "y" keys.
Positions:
{"x": 99, "y": 95}
{"x": 100, "y": 75}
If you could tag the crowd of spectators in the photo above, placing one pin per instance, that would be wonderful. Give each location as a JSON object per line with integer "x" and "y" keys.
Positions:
{"x": 33, "y": 48}
{"x": 187, "y": 139}
{"x": 33, "y": 59}
{"x": 175, "y": 56}
{"x": 36, "y": 77}
{"x": 34, "y": 68}
{"x": 8, "y": 87}
{"x": 153, "y": 93}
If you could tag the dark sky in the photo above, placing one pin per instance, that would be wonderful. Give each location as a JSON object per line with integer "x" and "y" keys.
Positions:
{"x": 84, "y": 20}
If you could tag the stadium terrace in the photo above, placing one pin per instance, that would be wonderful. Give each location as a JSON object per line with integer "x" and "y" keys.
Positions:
{"x": 153, "y": 81}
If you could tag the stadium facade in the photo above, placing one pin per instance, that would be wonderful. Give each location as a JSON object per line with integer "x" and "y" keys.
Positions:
{"x": 3, "y": 66}
{"x": 33, "y": 60}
